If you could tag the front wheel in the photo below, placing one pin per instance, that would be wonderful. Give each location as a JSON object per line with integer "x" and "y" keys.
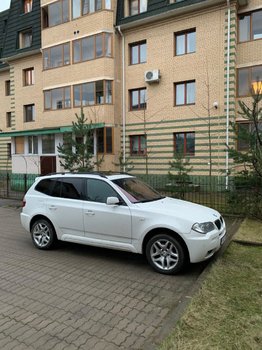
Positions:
{"x": 165, "y": 254}
{"x": 43, "y": 234}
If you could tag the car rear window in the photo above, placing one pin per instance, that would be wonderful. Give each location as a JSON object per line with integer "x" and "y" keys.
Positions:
{"x": 62, "y": 187}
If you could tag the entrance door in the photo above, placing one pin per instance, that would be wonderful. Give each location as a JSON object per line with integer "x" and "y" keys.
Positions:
{"x": 48, "y": 164}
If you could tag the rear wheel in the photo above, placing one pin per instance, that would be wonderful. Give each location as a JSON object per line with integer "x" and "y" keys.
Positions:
{"x": 165, "y": 254}
{"x": 43, "y": 234}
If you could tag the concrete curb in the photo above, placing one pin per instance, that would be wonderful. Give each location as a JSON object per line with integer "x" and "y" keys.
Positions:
{"x": 249, "y": 243}
{"x": 175, "y": 315}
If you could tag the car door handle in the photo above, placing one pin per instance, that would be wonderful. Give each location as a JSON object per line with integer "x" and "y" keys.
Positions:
{"x": 52, "y": 207}
{"x": 90, "y": 212}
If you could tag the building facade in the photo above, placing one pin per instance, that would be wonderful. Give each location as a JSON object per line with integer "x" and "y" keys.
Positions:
{"x": 72, "y": 67}
{"x": 155, "y": 77}
{"x": 186, "y": 65}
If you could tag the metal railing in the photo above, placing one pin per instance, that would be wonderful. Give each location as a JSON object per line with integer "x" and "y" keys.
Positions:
{"x": 240, "y": 197}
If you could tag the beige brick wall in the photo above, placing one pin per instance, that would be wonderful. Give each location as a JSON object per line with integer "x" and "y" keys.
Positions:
{"x": 206, "y": 66}
{"x": 5, "y": 101}
{"x": 98, "y": 69}
{"x": 25, "y": 95}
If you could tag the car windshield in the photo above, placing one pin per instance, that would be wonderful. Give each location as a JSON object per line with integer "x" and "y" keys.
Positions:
{"x": 137, "y": 191}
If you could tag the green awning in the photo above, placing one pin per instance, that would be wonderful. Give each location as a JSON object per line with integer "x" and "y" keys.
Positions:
{"x": 45, "y": 131}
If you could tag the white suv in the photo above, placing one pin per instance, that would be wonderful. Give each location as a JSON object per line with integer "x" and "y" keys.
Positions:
{"x": 121, "y": 212}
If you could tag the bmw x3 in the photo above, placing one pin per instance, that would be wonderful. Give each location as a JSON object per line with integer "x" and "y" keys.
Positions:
{"x": 119, "y": 211}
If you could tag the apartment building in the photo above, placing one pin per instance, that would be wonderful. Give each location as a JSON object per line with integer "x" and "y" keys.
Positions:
{"x": 155, "y": 77}
{"x": 73, "y": 67}
{"x": 186, "y": 65}
{"x": 20, "y": 76}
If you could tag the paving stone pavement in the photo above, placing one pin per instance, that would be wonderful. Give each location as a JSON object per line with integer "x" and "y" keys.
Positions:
{"x": 80, "y": 297}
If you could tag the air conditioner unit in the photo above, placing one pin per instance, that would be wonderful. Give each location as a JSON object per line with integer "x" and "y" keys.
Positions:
{"x": 152, "y": 76}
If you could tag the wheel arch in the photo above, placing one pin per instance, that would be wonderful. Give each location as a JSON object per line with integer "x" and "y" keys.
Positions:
{"x": 162, "y": 230}
{"x": 38, "y": 217}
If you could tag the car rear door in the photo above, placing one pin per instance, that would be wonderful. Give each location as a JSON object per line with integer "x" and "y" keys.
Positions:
{"x": 65, "y": 206}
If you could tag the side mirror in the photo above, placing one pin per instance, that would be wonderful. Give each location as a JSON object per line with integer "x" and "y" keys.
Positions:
{"x": 112, "y": 201}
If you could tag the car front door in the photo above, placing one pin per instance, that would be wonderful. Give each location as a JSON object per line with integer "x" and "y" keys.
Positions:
{"x": 103, "y": 221}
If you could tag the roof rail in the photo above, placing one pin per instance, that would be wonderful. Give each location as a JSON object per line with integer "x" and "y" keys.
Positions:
{"x": 100, "y": 173}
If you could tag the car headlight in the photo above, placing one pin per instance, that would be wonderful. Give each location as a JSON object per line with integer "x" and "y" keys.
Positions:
{"x": 203, "y": 227}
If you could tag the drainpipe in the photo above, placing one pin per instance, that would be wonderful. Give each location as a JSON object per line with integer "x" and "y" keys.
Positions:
{"x": 123, "y": 96}
{"x": 227, "y": 88}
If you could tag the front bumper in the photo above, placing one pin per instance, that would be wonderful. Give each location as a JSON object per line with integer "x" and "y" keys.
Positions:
{"x": 202, "y": 246}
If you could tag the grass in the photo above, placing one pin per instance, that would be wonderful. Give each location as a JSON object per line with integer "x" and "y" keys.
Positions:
{"x": 250, "y": 231}
{"x": 227, "y": 312}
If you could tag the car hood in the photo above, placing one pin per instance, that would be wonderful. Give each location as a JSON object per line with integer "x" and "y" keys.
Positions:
{"x": 181, "y": 209}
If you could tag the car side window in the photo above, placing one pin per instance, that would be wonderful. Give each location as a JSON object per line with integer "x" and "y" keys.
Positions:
{"x": 46, "y": 186}
{"x": 98, "y": 191}
{"x": 57, "y": 188}
{"x": 72, "y": 188}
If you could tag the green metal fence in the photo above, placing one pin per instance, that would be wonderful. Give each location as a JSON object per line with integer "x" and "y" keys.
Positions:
{"x": 232, "y": 196}
{"x": 14, "y": 186}
{"x": 237, "y": 196}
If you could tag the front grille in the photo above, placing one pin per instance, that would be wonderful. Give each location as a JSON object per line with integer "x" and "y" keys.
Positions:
{"x": 219, "y": 222}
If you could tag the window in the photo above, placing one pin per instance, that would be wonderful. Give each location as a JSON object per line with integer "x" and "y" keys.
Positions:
{"x": 89, "y": 48}
{"x": 19, "y": 145}
{"x": 29, "y": 113}
{"x": 250, "y": 26}
{"x": 29, "y": 76}
{"x": 249, "y": 80}
{"x": 244, "y": 132}
{"x": 72, "y": 188}
{"x": 48, "y": 144}
{"x": 93, "y": 93}
{"x": 185, "y": 93}
{"x": 104, "y": 140}
{"x": 99, "y": 191}
{"x": 138, "y": 52}
{"x": 56, "y": 56}
{"x": 138, "y": 145}
{"x": 27, "y": 6}
{"x": 184, "y": 143}
{"x": 9, "y": 151}
{"x": 25, "y": 38}
{"x": 107, "y": 4}
{"x": 7, "y": 88}
{"x": 137, "y": 6}
{"x": 137, "y": 99}
{"x": 57, "y": 98}
{"x": 55, "y": 13}
{"x": 46, "y": 186}
{"x": 84, "y": 7}
{"x": 8, "y": 119}
{"x": 32, "y": 142}
{"x": 185, "y": 42}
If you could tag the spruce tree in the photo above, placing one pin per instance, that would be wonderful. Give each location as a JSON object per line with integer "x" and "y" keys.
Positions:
{"x": 76, "y": 153}
{"x": 250, "y": 157}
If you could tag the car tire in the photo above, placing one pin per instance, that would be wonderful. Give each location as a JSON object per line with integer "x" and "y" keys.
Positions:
{"x": 165, "y": 254}
{"x": 43, "y": 234}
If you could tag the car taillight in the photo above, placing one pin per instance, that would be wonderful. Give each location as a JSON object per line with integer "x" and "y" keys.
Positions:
{"x": 23, "y": 203}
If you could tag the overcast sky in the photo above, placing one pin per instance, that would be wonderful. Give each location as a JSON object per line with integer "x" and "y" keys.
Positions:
{"x": 4, "y": 4}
